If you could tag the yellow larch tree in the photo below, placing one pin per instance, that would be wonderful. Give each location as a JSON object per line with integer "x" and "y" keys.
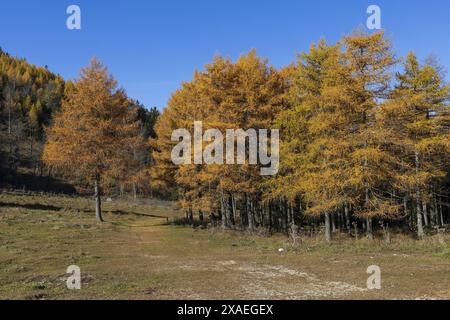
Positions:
{"x": 96, "y": 131}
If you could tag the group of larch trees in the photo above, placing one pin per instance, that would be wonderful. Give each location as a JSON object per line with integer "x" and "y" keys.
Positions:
{"x": 365, "y": 140}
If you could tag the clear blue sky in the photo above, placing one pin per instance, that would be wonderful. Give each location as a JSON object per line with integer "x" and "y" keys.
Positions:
{"x": 152, "y": 46}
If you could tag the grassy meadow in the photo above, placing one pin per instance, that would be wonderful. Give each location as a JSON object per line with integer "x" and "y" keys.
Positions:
{"x": 138, "y": 253}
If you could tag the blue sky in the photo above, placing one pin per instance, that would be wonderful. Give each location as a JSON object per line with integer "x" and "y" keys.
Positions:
{"x": 152, "y": 46}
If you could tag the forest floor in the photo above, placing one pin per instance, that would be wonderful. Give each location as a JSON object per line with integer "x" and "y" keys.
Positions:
{"x": 136, "y": 254}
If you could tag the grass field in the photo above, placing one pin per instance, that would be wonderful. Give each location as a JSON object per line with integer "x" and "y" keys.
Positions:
{"x": 137, "y": 254}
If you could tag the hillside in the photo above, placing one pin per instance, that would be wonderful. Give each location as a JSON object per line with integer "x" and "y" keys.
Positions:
{"x": 29, "y": 96}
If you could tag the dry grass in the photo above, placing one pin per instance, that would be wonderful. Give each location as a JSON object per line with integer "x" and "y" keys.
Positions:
{"x": 136, "y": 254}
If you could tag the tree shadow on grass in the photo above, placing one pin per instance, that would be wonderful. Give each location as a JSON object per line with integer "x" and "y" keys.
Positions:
{"x": 10, "y": 178}
{"x": 140, "y": 215}
{"x": 43, "y": 207}
{"x": 121, "y": 213}
{"x": 30, "y": 206}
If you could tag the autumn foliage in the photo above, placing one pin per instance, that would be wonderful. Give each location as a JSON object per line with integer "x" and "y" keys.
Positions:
{"x": 364, "y": 140}
{"x": 96, "y": 135}
{"x": 361, "y": 144}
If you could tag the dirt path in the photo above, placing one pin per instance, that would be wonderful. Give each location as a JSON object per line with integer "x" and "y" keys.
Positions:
{"x": 208, "y": 269}
{"x": 136, "y": 256}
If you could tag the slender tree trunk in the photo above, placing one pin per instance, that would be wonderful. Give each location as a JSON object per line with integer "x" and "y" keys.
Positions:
{"x": 347, "y": 218}
{"x": 191, "y": 216}
{"x": 261, "y": 214}
{"x": 283, "y": 213}
{"x": 333, "y": 223}
{"x": 270, "y": 217}
{"x": 222, "y": 213}
{"x": 441, "y": 215}
{"x": 10, "y": 102}
{"x": 406, "y": 211}
{"x": 232, "y": 210}
{"x": 233, "y": 206}
{"x": 243, "y": 213}
{"x": 292, "y": 224}
{"x": 31, "y": 145}
{"x": 9, "y": 121}
{"x": 420, "y": 232}
{"x": 98, "y": 200}
{"x": 249, "y": 213}
{"x": 327, "y": 227}
{"x": 134, "y": 191}
{"x": 425, "y": 214}
{"x": 340, "y": 219}
{"x": 434, "y": 213}
{"x": 387, "y": 235}
{"x": 9, "y": 131}
{"x": 369, "y": 228}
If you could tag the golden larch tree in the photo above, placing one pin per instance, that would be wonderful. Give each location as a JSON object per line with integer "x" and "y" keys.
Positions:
{"x": 96, "y": 131}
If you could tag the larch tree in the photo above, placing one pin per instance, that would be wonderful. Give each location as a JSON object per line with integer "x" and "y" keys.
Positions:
{"x": 361, "y": 84}
{"x": 309, "y": 136}
{"x": 334, "y": 152}
{"x": 96, "y": 131}
{"x": 417, "y": 116}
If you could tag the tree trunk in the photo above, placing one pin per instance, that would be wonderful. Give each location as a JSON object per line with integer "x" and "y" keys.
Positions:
{"x": 134, "y": 191}
{"x": 222, "y": 213}
{"x": 347, "y": 218}
{"x": 249, "y": 213}
{"x": 231, "y": 211}
{"x": 327, "y": 227}
{"x": 10, "y": 102}
{"x": 441, "y": 215}
{"x": 434, "y": 213}
{"x": 369, "y": 228}
{"x": 270, "y": 216}
{"x": 408, "y": 214}
{"x": 284, "y": 217}
{"x": 340, "y": 221}
{"x": 191, "y": 216}
{"x": 98, "y": 200}
{"x": 425, "y": 214}
{"x": 31, "y": 145}
{"x": 333, "y": 223}
{"x": 420, "y": 232}
{"x": 234, "y": 209}
{"x": 261, "y": 213}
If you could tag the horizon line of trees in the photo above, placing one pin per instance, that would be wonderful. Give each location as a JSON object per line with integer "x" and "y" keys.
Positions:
{"x": 364, "y": 138}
